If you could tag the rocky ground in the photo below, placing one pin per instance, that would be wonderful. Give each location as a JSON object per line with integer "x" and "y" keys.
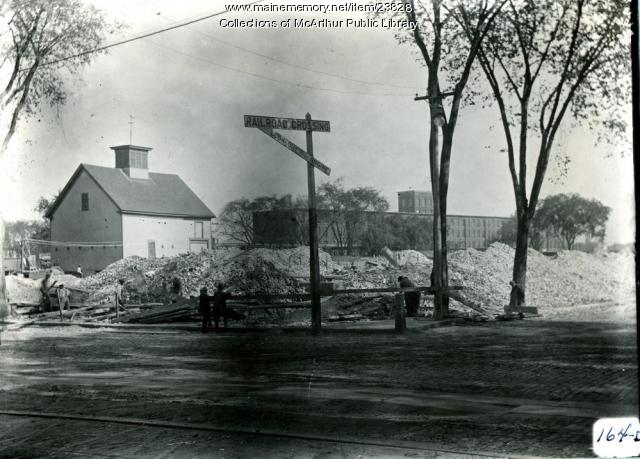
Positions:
{"x": 568, "y": 278}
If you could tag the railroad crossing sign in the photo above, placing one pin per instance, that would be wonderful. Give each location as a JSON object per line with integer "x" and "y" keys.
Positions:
{"x": 267, "y": 124}
{"x": 294, "y": 124}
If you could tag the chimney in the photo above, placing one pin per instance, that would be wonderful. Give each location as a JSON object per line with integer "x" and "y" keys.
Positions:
{"x": 133, "y": 160}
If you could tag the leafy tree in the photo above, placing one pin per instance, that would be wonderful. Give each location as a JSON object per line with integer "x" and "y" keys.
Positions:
{"x": 449, "y": 62}
{"x": 508, "y": 233}
{"x": 20, "y": 230}
{"x": 375, "y": 235}
{"x": 37, "y": 39}
{"x": 570, "y": 215}
{"x": 333, "y": 195}
{"x": 41, "y": 36}
{"x": 547, "y": 60}
{"x": 44, "y": 204}
{"x": 347, "y": 219}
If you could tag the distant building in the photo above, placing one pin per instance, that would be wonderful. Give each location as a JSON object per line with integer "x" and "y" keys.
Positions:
{"x": 104, "y": 214}
{"x": 418, "y": 202}
{"x": 462, "y": 230}
{"x": 353, "y": 231}
{"x": 346, "y": 229}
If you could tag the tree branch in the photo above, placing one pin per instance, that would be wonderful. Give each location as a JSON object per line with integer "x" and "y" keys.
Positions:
{"x": 411, "y": 16}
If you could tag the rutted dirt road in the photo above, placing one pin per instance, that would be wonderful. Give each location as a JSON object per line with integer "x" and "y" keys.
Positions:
{"x": 523, "y": 387}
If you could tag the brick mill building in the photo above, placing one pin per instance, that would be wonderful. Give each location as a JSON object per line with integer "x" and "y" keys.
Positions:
{"x": 288, "y": 227}
{"x": 104, "y": 214}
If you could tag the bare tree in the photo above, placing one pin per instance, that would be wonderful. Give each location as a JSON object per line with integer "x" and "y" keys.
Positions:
{"x": 545, "y": 59}
{"x": 449, "y": 62}
{"x": 42, "y": 42}
{"x": 237, "y": 220}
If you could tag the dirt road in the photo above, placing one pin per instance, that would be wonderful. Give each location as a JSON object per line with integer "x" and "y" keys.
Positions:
{"x": 517, "y": 388}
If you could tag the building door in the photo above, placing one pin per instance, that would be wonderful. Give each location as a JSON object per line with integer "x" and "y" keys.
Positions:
{"x": 198, "y": 245}
{"x": 151, "y": 245}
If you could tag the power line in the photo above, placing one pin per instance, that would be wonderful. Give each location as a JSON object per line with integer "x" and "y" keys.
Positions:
{"x": 301, "y": 67}
{"x": 274, "y": 80}
{"x": 219, "y": 13}
{"x": 129, "y": 40}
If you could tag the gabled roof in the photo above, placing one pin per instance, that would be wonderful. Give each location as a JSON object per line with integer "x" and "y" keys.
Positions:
{"x": 160, "y": 194}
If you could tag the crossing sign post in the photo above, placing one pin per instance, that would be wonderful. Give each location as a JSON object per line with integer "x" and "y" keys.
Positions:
{"x": 267, "y": 124}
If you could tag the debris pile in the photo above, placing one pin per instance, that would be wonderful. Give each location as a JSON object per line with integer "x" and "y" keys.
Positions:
{"x": 22, "y": 291}
{"x": 248, "y": 272}
{"x": 135, "y": 270}
{"x": 412, "y": 258}
{"x": 359, "y": 306}
{"x": 568, "y": 278}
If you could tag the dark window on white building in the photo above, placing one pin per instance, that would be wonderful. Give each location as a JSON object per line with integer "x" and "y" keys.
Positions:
{"x": 85, "y": 201}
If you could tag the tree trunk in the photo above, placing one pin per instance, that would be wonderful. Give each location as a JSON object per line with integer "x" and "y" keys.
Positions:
{"x": 434, "y": 162}
{"x": 447, "y": 142}
{"x": 5, "y": 308}
{"x": 518, "y": 284}
{"x": 444, "y": 275}
{"x": 570, "y": 241}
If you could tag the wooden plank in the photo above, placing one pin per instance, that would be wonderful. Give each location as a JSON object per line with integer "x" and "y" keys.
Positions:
{"x": 456, "y": 296}
{"x": 158, "y": 312}
{"x": 143, "y": 305}
{"x": 264, "y": 296}
{"x": 271, "y": 306}
{"x": 427, "y": 290}
{"x": 168, "y": 317}
{"x": 307, "y": 296}
{"x": 522, "y": 309}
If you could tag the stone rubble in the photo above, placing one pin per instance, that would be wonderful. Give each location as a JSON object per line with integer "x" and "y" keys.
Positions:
{"x": 568, "y": 278}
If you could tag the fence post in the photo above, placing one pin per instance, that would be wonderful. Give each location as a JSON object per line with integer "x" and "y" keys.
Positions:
{"x": 400, "y": 315}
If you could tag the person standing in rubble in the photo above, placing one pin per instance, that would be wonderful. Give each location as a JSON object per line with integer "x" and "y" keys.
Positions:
{"x": 176, "y": 289}
{"x": 45, "y": 286}
{"x": 63, "y": 299}
{"x": 119, "y": 297}
{"x": 204, "y": 307}
{"x": 220, "y": 298}
{"x": 411, "y": 299}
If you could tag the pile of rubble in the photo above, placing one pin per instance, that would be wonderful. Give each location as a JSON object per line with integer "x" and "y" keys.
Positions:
{"x": 22, "y": 291}
{"x": 568, "y": 278}
{"x": 246, "y": 272}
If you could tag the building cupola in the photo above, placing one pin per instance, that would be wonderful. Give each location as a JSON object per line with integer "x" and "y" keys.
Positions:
{"x": 133, "y": 160}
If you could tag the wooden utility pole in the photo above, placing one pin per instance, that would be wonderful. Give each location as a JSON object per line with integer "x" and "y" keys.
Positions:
{"x": 437, "y": 120}
{"x": 314, "y": 259}
{"x": 267, "y": 124}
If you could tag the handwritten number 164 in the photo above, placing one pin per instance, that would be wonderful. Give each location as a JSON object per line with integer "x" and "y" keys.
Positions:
{"x": 623, "y": 434}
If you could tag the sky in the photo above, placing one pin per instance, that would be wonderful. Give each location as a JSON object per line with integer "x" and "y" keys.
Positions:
{"x": 188, "y": 89}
